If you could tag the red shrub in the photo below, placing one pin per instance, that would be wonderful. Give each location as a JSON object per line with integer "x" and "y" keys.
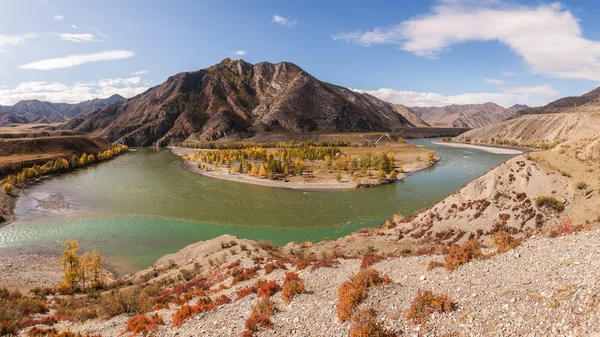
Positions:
{"x": 292, "y": 285}
{"x": 369, "y": 260}
{"x": 268, "y": 289}
{"x": 365, "y": 324}
{"x": 461, "y": 254}
{"x": 426, "y": 303}
{"x": 354, "y": 291}
{"x": 325, "y": 263}
{"x": 142, "y": 324}
{"x": 260, "y": 316}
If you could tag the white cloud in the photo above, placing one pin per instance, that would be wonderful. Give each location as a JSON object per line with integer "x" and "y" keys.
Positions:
{"x": 239, "y": 52}
{"x": 77, "y": 37}
{"x": 412, "y": 98}
{"x": 288, "y": 22}
{"x": 140, "y": 72}
{"x": 62, "y": 93}
{"x": 540, "y": 90}
{"x": 494, "y": 81}
{"x": 73, "y": 26}
{"x": 58, "y": 17}
{"x": 13, "y": 40}
{"x": 548, "y": 37}
{"x": 508, "y": 73}
{"x": 75, "y": 60}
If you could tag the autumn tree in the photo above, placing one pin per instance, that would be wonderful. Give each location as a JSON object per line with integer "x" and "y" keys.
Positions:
{"x": 338, "y": 177}
{"x": 7, "y": 188}
{"x": 70, "y": 263}
{"x": 95, "y": 269}
{"x": 262, "y": 171}
{"x": 84, "y": 265}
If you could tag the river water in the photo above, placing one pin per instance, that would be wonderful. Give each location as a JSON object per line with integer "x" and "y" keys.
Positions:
{"x": 143, "y": 205}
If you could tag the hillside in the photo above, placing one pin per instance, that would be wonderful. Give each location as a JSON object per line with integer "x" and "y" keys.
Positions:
{"x": 46, "y": 112}
{"x": 586, "y": 102}
{"x": 235, "y": 99}
{"x": 410, "y": 115}
{"x": 464, "y": 116}
{"x": 6, "y": 119}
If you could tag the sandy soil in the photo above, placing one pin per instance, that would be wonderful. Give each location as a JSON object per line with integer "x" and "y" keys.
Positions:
{"x": 24, "y": 271}
{"x": 305, "y": 183}
{"x": 489, "y": 149}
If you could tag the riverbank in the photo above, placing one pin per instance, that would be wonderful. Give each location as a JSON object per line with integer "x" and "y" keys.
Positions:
{"x": 489, "y": 149}
{"x": 292, "y": 182}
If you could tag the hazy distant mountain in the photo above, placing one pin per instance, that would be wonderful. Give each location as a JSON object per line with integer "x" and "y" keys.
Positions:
{"x": 236, "y": 99}
{"x": 410, "y": 115}
{"x": 464, "y": 116}
{"x": 37, "y": 111}
{"x": 7, "y": 118}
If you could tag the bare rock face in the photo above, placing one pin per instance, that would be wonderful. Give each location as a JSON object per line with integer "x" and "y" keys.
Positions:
{"x": 236, "y": 99}
{"x": 465, "y": 116}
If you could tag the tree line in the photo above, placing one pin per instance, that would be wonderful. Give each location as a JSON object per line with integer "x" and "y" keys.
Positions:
{"x": 61, "y": 165}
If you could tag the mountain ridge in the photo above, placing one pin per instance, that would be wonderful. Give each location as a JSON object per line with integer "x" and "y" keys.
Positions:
{"x": 235, "y": 99}
{"x": 466, "y": 115}
{"x": 37, "y": 111}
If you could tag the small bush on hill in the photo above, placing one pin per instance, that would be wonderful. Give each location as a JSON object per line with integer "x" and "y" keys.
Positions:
{"x": 292, "y": 285}
{"x": 365, "y": 324}
{"x": 354, "y": 291}
{"x": 461, "y": 254}
{"x": 426, "y": 303}
{"x": 144, "y": 325}
{"x": 550, "y": 202}
{"x": 369, "y": 260}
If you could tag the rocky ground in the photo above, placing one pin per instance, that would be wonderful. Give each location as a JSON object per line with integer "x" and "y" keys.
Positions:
{"x": 545, "y": 287}
{"x": 25, "y": 270}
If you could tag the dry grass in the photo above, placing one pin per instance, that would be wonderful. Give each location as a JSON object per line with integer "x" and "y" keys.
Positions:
{"x": 354, "y": 291}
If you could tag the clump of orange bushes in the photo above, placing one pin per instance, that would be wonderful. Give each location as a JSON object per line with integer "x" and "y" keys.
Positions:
{"x": 186, "y": 311}
{"x": 369, "y": 260}
{"x": 260, "y": 316}
{"x": 426, "y": 303}
{"x": 52, "y": 332}
{"x": 142, "y": 324}
{"x": 504, "y": 241}
{"x": 366, "y": 324}
{"x": 354, "y": 291}
{"x": 461, "y": 254}
{"x": 292, "y": 285}
{"x": 261, "y": 288}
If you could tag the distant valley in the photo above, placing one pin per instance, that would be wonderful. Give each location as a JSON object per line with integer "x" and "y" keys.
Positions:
{"x": 466, "y": 115}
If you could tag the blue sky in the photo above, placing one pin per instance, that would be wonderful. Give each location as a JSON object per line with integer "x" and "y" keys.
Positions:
{"x": 409, "y": 52}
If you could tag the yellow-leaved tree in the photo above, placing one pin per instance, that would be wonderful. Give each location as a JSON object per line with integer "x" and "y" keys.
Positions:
{"x": 70, "y": 263}
{"x": 84, "y": 267}
{"x": 95, "y": 269}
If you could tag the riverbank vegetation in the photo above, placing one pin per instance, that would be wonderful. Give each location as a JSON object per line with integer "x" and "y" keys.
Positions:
{"x": 60, "y": 165}
{"x": 331, "y": 161}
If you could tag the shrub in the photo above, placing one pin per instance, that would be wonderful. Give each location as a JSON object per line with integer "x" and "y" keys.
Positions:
{"x": 244, "y": 275}
{"x": 550, "y": 202}
{"x": 564, "y": 228}
{"x": 582, "y": 185}
{"x": 268, "y": 289}
{"x": 223, "y": 299}
{"x": 292, "y": 285}
{"x": 369, "y": 260}
{"x": 182, "y": 314}
{"x": 365, "y": 324}
{"x": 324, "y": 263}
{"x": 435, "y": 264}
{"x": 461, "y": 254}
{"x": 270, "y": 267}
{"x": 354, "y": 291}
{"x": 504, "y": 242}
{"x": 426, "y": 303}
{"x": 260, "y": 316}
{"x": 431, "y": 250}
{"x": 142, "y": 324}
{"x": 7, "y": 188}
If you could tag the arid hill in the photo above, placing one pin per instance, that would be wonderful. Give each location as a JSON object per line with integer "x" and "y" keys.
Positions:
{"x": 410, "y": 115}
{"x": 6, "y": 118}
{"x": 235, "y": 99}
{"x": 464, "y": 116}
{"x": 46, "y": 112}
{"x": 586, "y": 102}
{"x": 568, "y": 118}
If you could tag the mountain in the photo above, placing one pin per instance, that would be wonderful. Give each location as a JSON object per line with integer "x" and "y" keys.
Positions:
{"x": 588, "y": 101}
{"x": 87, "y": 107}
{"x": 235, "y": 99}
{"x": 46, "y": 112}
{"x": 464, "y": 116}
{"x": 517, "y": 107}
{"x": 410, "y": 115}
{"x": 6, "y": 118}
{"x": 569, "y": 118}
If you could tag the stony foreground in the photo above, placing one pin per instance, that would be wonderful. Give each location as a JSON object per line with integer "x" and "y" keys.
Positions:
{"x": 545, "y": 287}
